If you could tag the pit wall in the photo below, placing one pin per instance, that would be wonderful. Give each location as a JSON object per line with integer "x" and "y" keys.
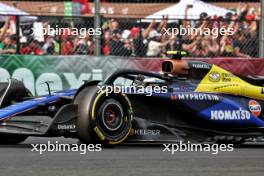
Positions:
{"x": 64, "y": 72}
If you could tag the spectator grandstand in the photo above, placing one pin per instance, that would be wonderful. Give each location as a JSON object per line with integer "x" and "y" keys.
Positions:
{"x": 127, "y": 33}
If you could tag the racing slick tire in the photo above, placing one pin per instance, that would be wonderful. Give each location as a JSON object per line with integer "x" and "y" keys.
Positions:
{"x": 103, "y": 118}
{"x": 12, "y": 139}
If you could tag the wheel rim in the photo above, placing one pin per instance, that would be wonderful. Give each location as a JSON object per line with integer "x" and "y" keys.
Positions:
{"x": 112, "y": 116}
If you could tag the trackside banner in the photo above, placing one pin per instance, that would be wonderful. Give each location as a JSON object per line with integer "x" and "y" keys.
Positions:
{"x": 63, "y": 72}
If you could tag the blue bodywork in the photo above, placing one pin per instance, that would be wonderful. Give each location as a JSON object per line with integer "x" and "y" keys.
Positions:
{"x": 17, "y": 108}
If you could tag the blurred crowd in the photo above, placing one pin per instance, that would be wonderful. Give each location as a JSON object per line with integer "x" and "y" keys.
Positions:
{"x": 147, "y": 39}
{"x": 8, "y": 38}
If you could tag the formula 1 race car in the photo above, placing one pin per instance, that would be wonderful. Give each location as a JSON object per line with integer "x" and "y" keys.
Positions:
{"x": 189, "y": 100}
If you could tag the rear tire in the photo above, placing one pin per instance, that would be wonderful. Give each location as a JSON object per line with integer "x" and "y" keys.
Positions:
{"x": 101, "y": 118}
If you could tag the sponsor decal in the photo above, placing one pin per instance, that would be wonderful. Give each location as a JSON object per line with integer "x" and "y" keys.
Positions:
{"x": 226, "y": 77}
{"x": 230, "y": 114}
{"x": 66, "y": 127}
{"x": 197, "y": 97}
{"x": 201, "y": 66}
{"x": 254, "y": 107}
{"x": 173, "y": 97}
{"x": 184, "y": 88}
{"x": 214, "y": 76}
{"x": 146, "y": 132}
{"x": 226, "y": 86}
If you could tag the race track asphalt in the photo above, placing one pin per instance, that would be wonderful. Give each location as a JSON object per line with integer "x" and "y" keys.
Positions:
{"x": 129, "y": 160}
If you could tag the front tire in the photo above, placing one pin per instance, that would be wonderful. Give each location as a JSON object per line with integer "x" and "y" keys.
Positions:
{"x": 103, "y": 118}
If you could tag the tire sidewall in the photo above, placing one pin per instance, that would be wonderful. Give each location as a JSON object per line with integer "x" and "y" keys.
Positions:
{"x": 89, "y": 100}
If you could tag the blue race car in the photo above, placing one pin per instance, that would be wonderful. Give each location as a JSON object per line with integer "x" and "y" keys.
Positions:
{"x": 189, "y": 100}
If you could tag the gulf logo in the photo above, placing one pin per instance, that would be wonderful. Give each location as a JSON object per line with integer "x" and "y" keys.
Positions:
{"x": 254, "y": 107}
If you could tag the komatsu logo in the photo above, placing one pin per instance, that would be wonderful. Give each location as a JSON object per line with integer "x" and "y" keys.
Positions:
{"x": 230, "y": 115}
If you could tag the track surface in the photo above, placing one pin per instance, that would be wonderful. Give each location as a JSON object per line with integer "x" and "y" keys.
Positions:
{"x": 129, "y": 160}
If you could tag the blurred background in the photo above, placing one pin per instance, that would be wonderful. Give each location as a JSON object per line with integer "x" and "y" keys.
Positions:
{"x": 132, "y": 28}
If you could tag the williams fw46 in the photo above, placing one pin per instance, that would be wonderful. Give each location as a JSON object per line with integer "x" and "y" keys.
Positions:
{"x": 189, "y": 100}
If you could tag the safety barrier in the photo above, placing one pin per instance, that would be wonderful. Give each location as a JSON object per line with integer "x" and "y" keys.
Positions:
{"x": 65, "y": 72}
